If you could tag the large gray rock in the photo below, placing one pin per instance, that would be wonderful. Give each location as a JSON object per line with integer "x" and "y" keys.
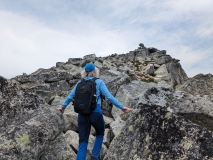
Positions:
{"x": 132, "y": 91}
{"x": 47, "y": 83}
{"x": 90, "y": 57}
{"x": 44, "y": 76}
{"x": 59, "y": 149}
{"x": 27, "y": 125}
{"x": 149, "y": 68}
{"x": 58, "y": 101}
{"x": 170, "y": 72}
{"x": 177, "y": 73}
{"x": 116, "y": 126}
{"x": 49, "y": 90}
{"x": 161, "y": 72}
{"x": 198, "y": 109}
{"x": 75, "y": 61}
{"x": 107, "y": 137}
{"x": 199, "y": 85}
{"x": 113, "y": 82}
{"x": 163, "y": 59}
{"x": 195, "y": 108}
{"x": 151, "y": 132}
{"x": 71, "y": 122}
{"x": 72, "y": 139}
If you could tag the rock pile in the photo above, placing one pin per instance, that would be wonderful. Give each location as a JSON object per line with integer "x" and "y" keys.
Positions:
{"x": 199, "y": 85}
{"x": 144, "y": 79}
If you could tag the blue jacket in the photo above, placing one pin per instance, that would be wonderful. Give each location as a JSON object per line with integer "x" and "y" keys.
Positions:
{"x": 100, "y": 88}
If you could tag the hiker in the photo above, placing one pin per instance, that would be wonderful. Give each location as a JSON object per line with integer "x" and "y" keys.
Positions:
{"x": 96, "y": 117}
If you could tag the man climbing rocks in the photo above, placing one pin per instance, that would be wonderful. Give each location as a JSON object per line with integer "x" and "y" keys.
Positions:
{"x": 95, "y": 118}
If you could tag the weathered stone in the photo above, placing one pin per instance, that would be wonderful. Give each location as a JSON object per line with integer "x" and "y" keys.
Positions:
{"x": 164, "y": 59}
{"x": 59, "y": 64}
{"x": 113, "y": 81}
{"x": 27, "y": 124}
{"x": 46, "y": 82}
{"x": 132, "y": 91}
{"x": 116, "y": 126}
{"x": 156, "y": 65}
{"x": 157, "y": 54}
{"x": 72, "y": 139}
{"x": 161, "y": 72}
{"x": 77, "y": 76}
{"x": 149, "y": 69}
{"x": 154, "y": 133}
{"x": 107, "y": 64}
{"x": 125, "y": 69}
{"x": 108, "y": 120}
{"x": 178, "y": 75}
{"x": 107, "y": 137}
{"x": 45, "y": 76}
{"x": 69, "y": 67}
{"x": 199, "y": 85}
{"x": 84, "y": 62}
{"x": 59, "y": 149}
{"x": 75, "y": 61}
{"x": 58, "y": 101}
{"x": 71, "y": 122}
{"x": 195, "y": 108}
{"x": 49, "y": 90}
{"x": 98, "y": 64}
{"x": 90, "y": 57}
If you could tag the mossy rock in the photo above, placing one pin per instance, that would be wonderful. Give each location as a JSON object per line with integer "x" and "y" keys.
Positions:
{"x": 149, "y": 80}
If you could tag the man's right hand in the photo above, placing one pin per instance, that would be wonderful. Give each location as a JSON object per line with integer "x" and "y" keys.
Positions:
{"x": 126, "y": 109}
{"x": 61, "y": 110}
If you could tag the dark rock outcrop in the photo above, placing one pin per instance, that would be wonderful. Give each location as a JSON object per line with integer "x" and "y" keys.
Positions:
{"x": 151, "y": 132}
{"x": 28, "y": 125}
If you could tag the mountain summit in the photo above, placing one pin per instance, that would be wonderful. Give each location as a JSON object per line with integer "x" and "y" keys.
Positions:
{"x": 172, "y": 117}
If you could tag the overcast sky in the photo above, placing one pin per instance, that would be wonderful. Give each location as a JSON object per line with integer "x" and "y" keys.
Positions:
{"x": 38, "y": 33}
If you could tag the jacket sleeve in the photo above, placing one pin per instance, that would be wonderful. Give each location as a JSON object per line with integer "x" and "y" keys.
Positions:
{"x": 69, "y": 97}
{"x": 104, "y": 90}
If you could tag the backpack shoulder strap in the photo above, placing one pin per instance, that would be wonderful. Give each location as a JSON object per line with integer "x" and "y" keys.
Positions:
{"x": 94, "y": 79}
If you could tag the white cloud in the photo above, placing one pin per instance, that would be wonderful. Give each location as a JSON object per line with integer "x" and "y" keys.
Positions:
{"x": 28, "y": 45}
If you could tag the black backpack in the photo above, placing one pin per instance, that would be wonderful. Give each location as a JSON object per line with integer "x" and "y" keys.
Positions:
{"x": 85, "y": 96}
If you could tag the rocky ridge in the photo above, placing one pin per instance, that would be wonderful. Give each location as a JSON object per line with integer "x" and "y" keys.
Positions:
{"x": 32, "y": 127}
{"x": 198, "y": 85}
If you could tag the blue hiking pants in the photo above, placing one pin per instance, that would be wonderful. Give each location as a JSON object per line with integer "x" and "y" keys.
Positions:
{"x": 84, "y": 125}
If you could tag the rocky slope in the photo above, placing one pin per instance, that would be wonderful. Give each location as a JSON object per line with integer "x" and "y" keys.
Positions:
{"x": 166, "y": 123}
{"x": 199, "y": 85}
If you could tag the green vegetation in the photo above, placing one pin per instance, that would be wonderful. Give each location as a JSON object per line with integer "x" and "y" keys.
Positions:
{"x": 130, "y": 128}
{"x": 23, "y": 139}
{"x": 149, "y": 80}
{"x": 145, "y": 152}
{"x": 168, "y": 115}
